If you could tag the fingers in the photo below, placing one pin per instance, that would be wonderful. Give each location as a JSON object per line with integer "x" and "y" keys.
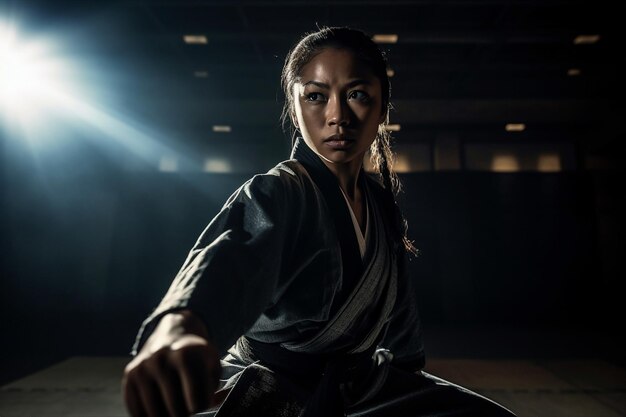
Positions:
{"x": 171, "y": 383}
{"x": 152, "y": 400}
{"x": 170, "y": 388}
{"x": 198, "y": 385}
{"x": 153, "y": 389}
{"x": 132, "y": 399}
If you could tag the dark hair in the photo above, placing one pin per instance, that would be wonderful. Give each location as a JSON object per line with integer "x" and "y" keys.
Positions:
{"x": 366, "y": 51}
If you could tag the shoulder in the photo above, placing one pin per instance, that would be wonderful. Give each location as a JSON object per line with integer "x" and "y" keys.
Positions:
{"x": 289, "y": 170}
{"x": 285, "y": 175}
{"x": 282, "y": 182}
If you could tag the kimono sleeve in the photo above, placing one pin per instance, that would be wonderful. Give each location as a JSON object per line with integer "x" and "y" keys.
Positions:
{"x": 404, "y": 335}
{"x": 230, "y": 274}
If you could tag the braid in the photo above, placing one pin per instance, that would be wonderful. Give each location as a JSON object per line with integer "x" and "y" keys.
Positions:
{"x": 382, "y": 158}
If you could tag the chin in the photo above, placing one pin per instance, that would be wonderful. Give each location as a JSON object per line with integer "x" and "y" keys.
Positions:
{"x": 339, "y": 157}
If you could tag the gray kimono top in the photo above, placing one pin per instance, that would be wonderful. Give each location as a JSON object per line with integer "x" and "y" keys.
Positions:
{"x": 279, "y": 261}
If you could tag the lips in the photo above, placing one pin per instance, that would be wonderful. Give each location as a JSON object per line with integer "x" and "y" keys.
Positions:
{"x": 338, "y": 141}
{"x": 338, "y": 138}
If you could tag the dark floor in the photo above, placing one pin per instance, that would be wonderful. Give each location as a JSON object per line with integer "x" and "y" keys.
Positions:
{"x": 89, "y": 386}
{"x": 533, "y": 372}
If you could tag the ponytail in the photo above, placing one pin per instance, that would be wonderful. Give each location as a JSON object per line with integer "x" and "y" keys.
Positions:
{"x": 382, "y": 160}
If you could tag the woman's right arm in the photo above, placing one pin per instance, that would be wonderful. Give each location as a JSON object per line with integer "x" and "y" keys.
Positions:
{"x": 227, "y": 281}
{"x": 176, "y": 371}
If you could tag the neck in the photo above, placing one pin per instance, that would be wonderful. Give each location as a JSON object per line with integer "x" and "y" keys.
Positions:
{"x": 347, "y": 174}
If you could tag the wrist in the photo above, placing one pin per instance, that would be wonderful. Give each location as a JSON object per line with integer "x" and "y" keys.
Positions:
{"x": 192, "y": 323}
{"x": 174, "y": 325}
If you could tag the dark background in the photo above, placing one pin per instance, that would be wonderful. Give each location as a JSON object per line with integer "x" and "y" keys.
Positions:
{"x": 512, "y": 264}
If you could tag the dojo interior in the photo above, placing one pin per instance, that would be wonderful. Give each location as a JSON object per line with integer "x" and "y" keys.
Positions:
{"x": 125, "y": 125}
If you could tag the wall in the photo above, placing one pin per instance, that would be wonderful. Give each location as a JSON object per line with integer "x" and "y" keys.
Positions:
{"x": 88, "y": 254}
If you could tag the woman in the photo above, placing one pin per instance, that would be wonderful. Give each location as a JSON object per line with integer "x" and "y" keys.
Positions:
{"x": 300, "y": 282}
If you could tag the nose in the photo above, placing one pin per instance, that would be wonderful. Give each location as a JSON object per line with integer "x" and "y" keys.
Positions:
{"x": 338, "y": 112}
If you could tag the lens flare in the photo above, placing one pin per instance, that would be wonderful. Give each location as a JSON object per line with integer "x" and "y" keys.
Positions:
{"x": 29, "y": 78}
{"x": 44, "y": 102}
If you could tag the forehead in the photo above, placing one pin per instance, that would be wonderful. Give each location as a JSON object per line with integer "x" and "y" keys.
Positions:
{"x": 332, "y": 64}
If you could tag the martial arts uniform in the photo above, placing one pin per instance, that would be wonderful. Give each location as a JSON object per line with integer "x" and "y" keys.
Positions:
{"x": 313, "y": 316}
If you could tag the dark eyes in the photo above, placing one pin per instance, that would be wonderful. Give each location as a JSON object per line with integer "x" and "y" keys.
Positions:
{"x": 359, "y": 95}
{"x": 315, "y": 97}
{"x": 353, "y": 95}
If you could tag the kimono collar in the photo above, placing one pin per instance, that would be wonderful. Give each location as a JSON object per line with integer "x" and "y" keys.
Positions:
{"x": 315, "y": 167}
{"x": 328, "y": 184}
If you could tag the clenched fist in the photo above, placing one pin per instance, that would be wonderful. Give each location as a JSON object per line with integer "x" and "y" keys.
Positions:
{"x": 176, "y": 372}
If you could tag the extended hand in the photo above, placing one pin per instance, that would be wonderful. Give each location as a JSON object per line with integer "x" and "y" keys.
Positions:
{"x": 176, "y": 372}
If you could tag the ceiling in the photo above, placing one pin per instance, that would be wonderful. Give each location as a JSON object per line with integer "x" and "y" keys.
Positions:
{"x": 460, "y": 66}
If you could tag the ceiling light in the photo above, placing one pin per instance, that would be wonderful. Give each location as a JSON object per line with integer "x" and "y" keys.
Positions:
{"x": 401, "y": 163}
{"x": 385, "y": 38}
{"x": 195, "y": 39}
{"x": 504, "y": 163}
{"x": 221, "y": 128}
{"x": 515, "y": 127}
{"x": 549, "y": 163}
{"x": 217, "y": 165}
{"x": 572, "y": 72}
{"x": 586, "y": 39}
{"x": 393, "y": 128}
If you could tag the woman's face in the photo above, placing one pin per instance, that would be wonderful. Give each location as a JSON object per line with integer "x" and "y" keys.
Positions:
{"x": 338, "y": 106}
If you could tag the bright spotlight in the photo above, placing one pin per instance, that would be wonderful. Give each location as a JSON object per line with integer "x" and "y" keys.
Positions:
{"x": 42, "y": 99}
{"x": 29, "y": 77}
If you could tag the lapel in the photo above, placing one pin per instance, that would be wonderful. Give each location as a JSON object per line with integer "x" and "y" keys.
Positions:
{"x": 326, "y": 181}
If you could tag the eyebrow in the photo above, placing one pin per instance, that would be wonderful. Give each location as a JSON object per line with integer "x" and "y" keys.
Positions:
{"x": 326, "y": 86}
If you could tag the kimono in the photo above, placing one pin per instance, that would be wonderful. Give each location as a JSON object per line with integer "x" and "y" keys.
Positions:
{"x": 312, "y": 317}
